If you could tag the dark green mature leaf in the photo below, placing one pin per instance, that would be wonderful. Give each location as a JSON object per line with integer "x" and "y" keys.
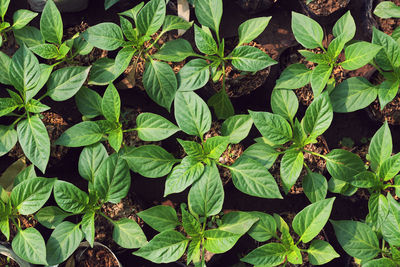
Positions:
{"x": 206, "y": 196}
{"x": 380, "y": 147}
{"x": 90, "y": 160}
{"x": 24, "y": 69}
{"x": 183, "y": 175}
{"x": 364, "y": 179}
{"x": 204, "y": 41}
{"x": 345, "y": 26}
{"x": 237, "y": 128}
{"x": 51, "y": 25}
{"x": 151, "y": 17}
{"x": 88, "y": 226}
{"x": 321, "y": 252}
{"x": 378, "y": 207}
{"x": 284, "y": 103}
{"x": 22, "y": 17}
{"x": 88, "y": 102}
{"x": 160, "y": 218}
{"x": 390, "y": 167}
{"x": 272, "y": 126}
{"x": 111, "y": 103}
{"x": 357, "y": 239}
{"x": 128, "y": 234}
{"x": 81, "y": 134}
{"x": 30, "y": 195}
{"x": 167, "y": 246}
{"x": 106, "y": 35}
{"x": 29, "y": 245}
{"x": 153, "y": 127}
{"x": 249, "y": 58}
{"x": 102, "y": 72}
{"x": 387, "y": 9}
{"x": 209, "y": 13}
{"x": 64, "y": 240}
{"x": 8, "y": 139}
{"x": 194, "y": 75}
{"x": 270, "y": 254}
{"x": 251, "y": 29}
{"x": 315, "y": 186}
{"x": 263, "y": 153}
{"x": 34, "y": 141}
{"x": 391, "y": 226}
{"x": 382, "y": 262}
{"x": 307, "y": 31}
{"x": 175, "y": 23}
{"x": 160, "y": 83}
{"x": 192, "y": 113}
{"x": 190, "y": 223}
{"x": 291, "y": 166}
{"x": 176, "y": 51}
{"x": 293, "y": 77}
{"x": 51, "y": 216}
{"x": 222, "y": 105}
{"x": 353, "y": 94}
{"x": 69, "y": 197}
{"x": 237, "y": 222}
{"x": 264, "y": 229}
{"x": 359, "y": 54}
{"x": 319, "y": 78}
{"x": 250, "y": 177}
{"x": 45, "y": 71}
{"x": 123, "y": 59}
{"x": 25, "y": 174}
{"x": 218, "y": 241}
{"x": 30, "y": 36}
{"x": 343, "y": 164}
{"x": 150, "y": 161}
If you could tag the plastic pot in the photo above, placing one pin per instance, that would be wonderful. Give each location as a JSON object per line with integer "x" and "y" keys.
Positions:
{"x": 254, "y": 6}
{"x": 6, "y": 250}
{"x": 62, "y": 5}
{"x": 323, "y": 15}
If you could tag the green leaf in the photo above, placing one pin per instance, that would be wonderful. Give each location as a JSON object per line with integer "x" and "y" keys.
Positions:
{"x": 90, "y": 160}
{"x": 176, "y": 51}
{"x": 345, "y": 26}
{"x": 391, "y": 226}
{"x": 390, "y": 167}
{"x": 293, "y": 77}
{"x": 190, "y": 223}
{"x": 112, "y": 180}
{"x": 192, "y": 148}
{"x": 69, "y": 197}
{"x": 382, "y": 262}
{"x": 321, "y": 252}
{"x": 34, "y": 141}
{"x": 3, "y": 7}
{"x": 160, "y": 218}
{"x": 24, "y": 70}
{"x": 387, "y": 9}
{"x": 29, "y": 245}
{"x": 150, "y": 161}
{"x": 160, "y": 83}
{"x": 218, "y": 241}
{"x": 194, "y": 75}
{"x": 291, "y": 166}
{"x": 204, "y": 41}
{"x": 128, "y": 234}
{"x": 380, "y": 147}
{"x": 215, "y": 146}
{"x": 51, "y": 216}
{"x": 222, "y": 105}
{"x": 175, "y": 23}
{"x": 183, "y": 175}
{"x": 378, "y": 207}
{"x": 387, "y": 91}
{"x": 66, "y": 82}
{"x": 310, "y": 221}
{"x": 319, "y": 78}
{"x": 45, "y": 71}
{"x": 109, "y": 3}
{"x": 5, "y": 63}
{"x": 122, "y": 60}
{"x": 22, "y": 17}
{"x": 343, "y": 164}
{"x": 7, "y": 105}
{"x": 128, "y": 30}
{"x": 132, "y": 13}
{"x": 264, "y": 229}
{"x": 30, "y": 195}
{"x": 316, "y": 58}
{"x": 209, "y": 13}
{"x": 206, "y": 196}
{"x": 284, "y": 103}
{"x": 272, "y": 126}
{"x": 263, "y": 153}
{"x": 249, "y": 58}
{"x": 307, "y": 31}
{"x": 30, "y": 36}
{"x": 299, "y": 135}
{"x": 153, "y": 127}
{"x": 365, "y": 179}
{"x": 193, "y": 252}
{"x": 88, "y": 102}
{"x": 151, "y": 17}
{"x": 236, "y": 128}
{"x": 25, "y": 174}
{"x": 102, "y": 72}
{"x": 115, "y": 139}
{"x": 252, "y": 178}
{"x": 353, "y": 94}
{"x": 192, "y": 114}
{"x": 270, "y": 254}
{"x": 106, "y": 36}
{"x": 81, "y": 134}
{"x": 336, "y": 46}
{"x": 35, "y": 106}
{"x": 88, "y": 226}
{"x": 237, "y": 222}
{"x": 111, "y": 104}
{"x": 51, "y": 25}
{"x": 359, "y": 54}
{"x": 167, "y": 246}
{"x": 64, "y": 240}
{"x": 341, "y": 187}
{"x": 252, "y": 28}
{"x": 357, "y": 239}
{"x": 315, "y": 186}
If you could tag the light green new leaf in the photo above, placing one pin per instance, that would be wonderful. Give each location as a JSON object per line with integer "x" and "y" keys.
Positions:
{"x": 345, "y": 26}
{"x": 284, "y": 103}
{"x": 30, "y": 36}
{"x": 359, "y": 54}
{"x": 69, "y": 197}
{"x": 237, "y": 128}
{"x": 390, "y": 167}
{"x": 215, "y": 146}
{"x": 192, "y": 148}
{"x": 380, "y": 147}
{"x": 153, "y": 127}
{"x": 270, "y": 254}
{"x": 381, "y": 262}
{"x": 378, "y": 207}
{"x": 29, "y": 245}
{"x": 111, "y": 104}
{"x": 249, "y": 58}
{"x": 218, "y": 241}
{"x": 128, "y": 234}
{"x": 81, "y": 134}
{"x": 106, "y": 35}
{"x": 389, "y": 56}
{"x": 190, "y": 224}
{"x": 290, "y": 169}
{"x": 321, "y": 252}
{"x": 387, "y": 91}
{"x": 22, "y": 17}
{"x": 251, "y": 29}
{"x": 319, "y": 78}
{"x": 35, "y": 106}
{"x": 209, "y": 13}
{"x": 88, "y": 226}
{"x": 315, "y": 186}
{"x": 175, "y": 23}
{"x": 204, "y": 41}
{"x": 263, "y": 153}
{"x": 4, "y": 7}
{"x": 151, "y": 17}
{"x": 5, "y": 62}
{"x": 7, "y": 105}
{"x": 161, "y": 218}
{"x": 307, "y": 31}
{"x": 391, "y": 226}
{"x": 51, "y": 25}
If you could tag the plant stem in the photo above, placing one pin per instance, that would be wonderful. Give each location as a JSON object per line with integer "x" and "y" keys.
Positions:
{"x": 105, "y": 216}
{"x": 315, "y": 154}
{"x": 155, "y": 41}
{"x": 129, "y": 130}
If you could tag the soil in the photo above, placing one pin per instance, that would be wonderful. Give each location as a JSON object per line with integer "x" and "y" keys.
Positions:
{"x": 388, "y": 25}
{"x": 325, "y": 7}
{"x": 7, "y": 262}
{"x": 9, "y": 45}
{"x": 88, "y": 257}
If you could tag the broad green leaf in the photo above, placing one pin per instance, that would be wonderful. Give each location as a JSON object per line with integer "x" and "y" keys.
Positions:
{"x": 88, "y": 226}
{"x": 236, "y": 128}
{"x": 284, "y": 103}
{"x": 34, "y": 141}
{"x": 176, "y": 51}
{"x": 109, "y": 3}
{"x": 249, "y": 58}
{"x": 382, "y": 262}
{"x": 263, "y": 153}
{"x": 252, "y": 178}
{"x": 153, "y": 127}
{"x": 123, "y": 59}
{"x": 46, "y": 51}
{"x": 29, "y": 245}
{"x": 319, "y": 78}
{"x": 307, "y": 31}
{"x": 378, "y": 207}
{"x": 128, "y": 234}
{"x": 175, "y": 23}
{"x": 357, "y": 239}
{"x": 343, "y": 164}
{"x": 270, "y": 254}
{"x": 313, "y": 57}
{"x": 24, "y": 69}
{"x": 30, "y": 36}
{"x": 64, "y": 240}
{"x": 365, "y": 179}
{"x": 290, "y": 169}
{"x": 7, "y": 105}
{"x": 192, "y": 113}
{"x": 353, "y": 94}
{"x": 167, "y": 246}
{"x": 103, "y": 71}
{"x": 390, "y": 167}
{"x": 150, "y": 161}
{"x": 106, "y": 35}
{"x": 345, "y": 26}
{"x": 183, "y": 175}
{"x": 294, "y": 255}
{"x": 387, "y": 9}
{"x": 222, "y": 105}
{"x": 264, "y": 229}
{"x": 194, "y": 75}
{"x": 206, "y": 196}
{"x": 190, "y": 223}
{"x": 5, "y": 63}
{"x": 35, "y": 106}
{"x": 215, "y": 146}
{"x": 391, "y": 226}
{"x": 88, "y": 102}
{"x": 204, "y": 41}
{"x": 81, "y": 134}
{"x": 193, "y": 252}
{"x": 209, "y": 13}
{"x": 151, "y": 17}
{"x": 293, "y": 77}
{"x": 272, "y": 126}
{"x": 51, "y": 25}
{"x": 90, "y": 160}
{"x": 25, "y": 174}
{"x": 359, "y": 54}
{"x": 45, "y": 71}
{"x": 111, "y": 104}
{"x": 237, "y": 222}
{"x": 160, "y": 83}
{"x": 192, "y": 148}
{"x": 128, "y": 30}
{"x": 310, "y": 221}
{"x": 4, "y": 7}
{"x": 132, "y": 13}
{"x": 160, "y": 218}
{"x": 69, "y": 197}
{"x": 341, "y": 187}
{"x": 315, "y": 186}
{"x": 251, "y": 29}
{"x": 218, "y": 241}
{"x": 387, "y": 91}
{"x": 22, "y": 17}
{"x": 30, "y": 195}
{"x": 336, "y": 46}
{"x": 380, "y": 147}
{"x": 321, "y": 252}
{"x": 51, "y": 216}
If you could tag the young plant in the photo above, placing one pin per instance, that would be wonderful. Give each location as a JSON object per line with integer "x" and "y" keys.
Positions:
{"x": 307, "y": 224}
{"x": 369, "y": 246}
{"x": 21, "y": 18}
{"x": 109, "y": 181}
{"x": 310, "y": 35}
{"x": 28, "y": 77}
{"x": 280, "y": 128}
{"x": 159, "y": 79}
{"x": 205, "y": 231}
{"x": 194, "y": 118}
{"x": 29, "y": 193}
{"x": 47, "y": 42}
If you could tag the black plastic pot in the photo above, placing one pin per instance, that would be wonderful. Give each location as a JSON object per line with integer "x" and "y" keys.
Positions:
{"x": 324, "y": 18}
{"x": 254, "y": 6}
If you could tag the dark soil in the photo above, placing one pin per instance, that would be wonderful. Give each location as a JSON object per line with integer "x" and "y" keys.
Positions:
{"x": 388, "y": 25}
{"x": 7, "y": 262}
{"x": 326, "y": 7}
{"x": 88, "y": 257}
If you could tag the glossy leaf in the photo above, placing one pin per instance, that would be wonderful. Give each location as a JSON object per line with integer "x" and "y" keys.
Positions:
{"x": 153, "y": 127}
{"x": 321, "y": 252}
{"x": 315, "y": 186}
{"x": 81, "y": 134}
{"x": 106, "y": 35}
{"x": 8, "y": 139}
{"x": 151, "y": 17}
{"x": 249, "y": 58}
{"x": 51, "y": 25}
{"x": 128, "y": 234}
{"x": 236, "y": 128}
{"x": 69, "y": 197}
{"x": 293, "y": 77}
{"x": 194, "y": 75}
{"x": 284, "y": 103}
{"x": 252, "y": 28}
{"x": 380, "y": 147}
{"x": 160, "y": 218}
{"x": 307, "y": 31}
{"x": 359, "y": 54}
{"x": 209, "y": 13}
{"x": 111, "y": 104}
{"x": 290, "y": 169}
{"x": 24, "y": 72}
{"x": 29, "y": 245}
{"x": 269, "y": 254}
{"x": 343, "y": 164}
{"x": 218, "y": 241}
